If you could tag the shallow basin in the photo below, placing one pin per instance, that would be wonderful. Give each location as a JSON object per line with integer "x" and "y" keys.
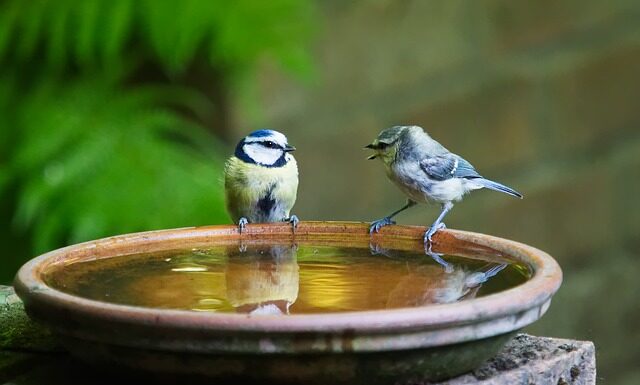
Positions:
{"x": 268, "y": 318}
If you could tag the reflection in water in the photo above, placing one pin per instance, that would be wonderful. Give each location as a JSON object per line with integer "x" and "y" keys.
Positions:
{"x": 438, "y": 284}
{"x": 284, "y": 279}
{"x": 263, "y": 279}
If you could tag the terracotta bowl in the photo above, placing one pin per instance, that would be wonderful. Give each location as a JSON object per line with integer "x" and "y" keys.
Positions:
{"x": 378, "y": 346}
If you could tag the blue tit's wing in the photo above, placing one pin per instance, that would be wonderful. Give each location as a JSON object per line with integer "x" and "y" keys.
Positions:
{"x": 447, "y": 166}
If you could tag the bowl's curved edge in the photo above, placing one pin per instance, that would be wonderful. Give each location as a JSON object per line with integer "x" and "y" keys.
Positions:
{"x": 337, "y": 332}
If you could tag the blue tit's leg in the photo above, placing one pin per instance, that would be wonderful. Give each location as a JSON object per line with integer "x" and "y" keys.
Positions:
{"x": 437, "y": 225}
{"x": 242, "y": 223}
{"x": 293, "y": 219}
{"x": 380, "y": 223}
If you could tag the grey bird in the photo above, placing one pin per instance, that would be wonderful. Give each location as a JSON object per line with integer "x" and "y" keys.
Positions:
{"x": 426, "y": 172}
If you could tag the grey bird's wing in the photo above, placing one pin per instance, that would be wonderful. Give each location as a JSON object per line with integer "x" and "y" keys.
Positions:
{"x": 447, "y": 166}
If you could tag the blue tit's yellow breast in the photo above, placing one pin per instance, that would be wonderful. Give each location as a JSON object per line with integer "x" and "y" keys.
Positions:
{"x": 247, "y": 183}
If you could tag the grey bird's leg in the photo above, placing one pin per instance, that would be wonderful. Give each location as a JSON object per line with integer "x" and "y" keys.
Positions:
{"x": 437, "y": 225}
{"x": 293, "y": 219}
{"x": 242, "y": 223}
{"x": 448, "y": 268}
{"x": 380, "y": 223}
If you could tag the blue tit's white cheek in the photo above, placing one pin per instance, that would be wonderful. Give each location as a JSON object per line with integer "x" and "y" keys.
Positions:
{"x": 261, "y": 154}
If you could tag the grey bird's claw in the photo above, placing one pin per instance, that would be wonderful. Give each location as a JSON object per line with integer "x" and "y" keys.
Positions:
{"x": 242, "y": 223}
{"x": 432, "y": 230}
{"x": 294, "y": 222}
{"x": 380, "y": 223}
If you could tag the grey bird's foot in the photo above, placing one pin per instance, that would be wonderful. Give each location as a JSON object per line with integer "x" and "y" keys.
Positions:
{"x": 294, "y": 222}
{"x": 380, "y": 223}
{"x": 432, "y": 230}
{"x": 242, "y": 223}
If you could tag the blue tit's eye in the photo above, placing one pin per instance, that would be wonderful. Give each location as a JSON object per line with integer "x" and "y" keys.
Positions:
{"x": 269, "y": 144}
{"x": 383, "y": 145}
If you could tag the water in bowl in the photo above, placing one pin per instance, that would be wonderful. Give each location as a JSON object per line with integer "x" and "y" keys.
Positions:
{"x": 285, "y": 279}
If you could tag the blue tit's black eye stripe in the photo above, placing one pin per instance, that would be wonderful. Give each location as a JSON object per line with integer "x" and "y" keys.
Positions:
{"x": 269, "y": 144}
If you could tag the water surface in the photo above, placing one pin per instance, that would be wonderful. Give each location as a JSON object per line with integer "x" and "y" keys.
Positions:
{"x": 285, "y": 279}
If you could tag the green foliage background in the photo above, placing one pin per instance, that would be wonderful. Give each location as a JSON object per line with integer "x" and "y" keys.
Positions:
{"x": 111, "y": 111}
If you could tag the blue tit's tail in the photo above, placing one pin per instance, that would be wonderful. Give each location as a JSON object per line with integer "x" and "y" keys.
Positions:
{"x": 497, "y": 187}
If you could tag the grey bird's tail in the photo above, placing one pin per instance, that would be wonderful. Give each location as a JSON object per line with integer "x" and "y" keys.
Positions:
{"x": 497, "y": 187}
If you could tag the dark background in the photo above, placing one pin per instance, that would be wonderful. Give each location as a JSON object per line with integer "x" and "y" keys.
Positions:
{"x": 116, "y": 116}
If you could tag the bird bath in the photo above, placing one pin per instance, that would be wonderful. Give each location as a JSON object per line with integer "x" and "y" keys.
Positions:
{"x": 329, "y": 304}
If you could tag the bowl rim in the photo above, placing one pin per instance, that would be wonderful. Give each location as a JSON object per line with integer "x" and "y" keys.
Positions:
{"x": 519, "y": 305}
{"x": 546, "y": 279}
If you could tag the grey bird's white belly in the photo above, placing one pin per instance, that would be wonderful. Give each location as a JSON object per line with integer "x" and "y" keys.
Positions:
{"x": 417, "y": 185}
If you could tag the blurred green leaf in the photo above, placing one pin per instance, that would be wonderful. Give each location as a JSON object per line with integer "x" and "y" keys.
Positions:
{"x": 87, "y": 21}
{"x": 112, "y": 169}
{"x": 231, "y": 35}
{"x": 102, "y": 115}
{"x": 8, "y": 22}
{"x": 116, "y": 25}
{"x": 30, "y": 23}
{"x": 58, "y": 33}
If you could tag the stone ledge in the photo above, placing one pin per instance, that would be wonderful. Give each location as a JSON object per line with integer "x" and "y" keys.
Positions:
{"x": 534, "y": 360}
{"x": 17, "y": 330}
{"x": 524, "y": 360}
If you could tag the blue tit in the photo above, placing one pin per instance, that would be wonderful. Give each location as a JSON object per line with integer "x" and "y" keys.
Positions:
{"x": 261, "y": 180}
{"x": 426, "y": 172}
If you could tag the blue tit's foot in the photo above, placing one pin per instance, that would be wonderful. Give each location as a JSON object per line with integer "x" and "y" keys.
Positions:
{"x": 242, "y": 223}
{"x": 380, "y": 223}
{"x": 294, "y": 222}
{"x": 432, "y": 230}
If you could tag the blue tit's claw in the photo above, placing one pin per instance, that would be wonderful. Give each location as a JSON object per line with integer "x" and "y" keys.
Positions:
{"x": 294, "y": 222}
{"x": 380, "y": 223}
{"x": 242, "y": 223}
{"x": 432, "y": 230}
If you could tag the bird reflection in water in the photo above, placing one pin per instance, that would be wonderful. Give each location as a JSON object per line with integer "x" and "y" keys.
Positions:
{"x": 439, "y": 283}
{"x": 263, "y": 279}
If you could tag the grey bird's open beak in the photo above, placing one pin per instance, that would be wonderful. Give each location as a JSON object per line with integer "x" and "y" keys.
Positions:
{"x": 371, "y": 147}
{"x": 289, "y": 148}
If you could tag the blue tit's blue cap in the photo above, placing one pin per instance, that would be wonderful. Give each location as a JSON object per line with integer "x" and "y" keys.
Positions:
{"x": 261, "y": 133}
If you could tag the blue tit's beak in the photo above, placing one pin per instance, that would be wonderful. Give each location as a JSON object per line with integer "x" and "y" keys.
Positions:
{"x": 289, "y": 148}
